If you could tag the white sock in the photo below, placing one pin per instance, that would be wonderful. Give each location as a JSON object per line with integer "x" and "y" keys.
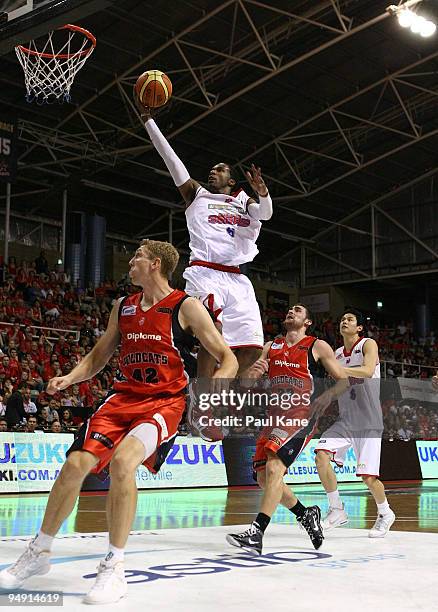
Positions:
{"x": 383, "y": 508}
{"x": 335, "y": 500}
{"x": 44, "y": 541}
{"x": 114, "y": 555}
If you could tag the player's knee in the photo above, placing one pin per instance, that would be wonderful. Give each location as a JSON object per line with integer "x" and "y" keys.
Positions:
{"x": 123, "y": 465}
{"x": 274, "y": 469}
{"x": 369, "y": 480}
{"x": 77, "y": 466}
{"x": 322, "y": 459}
{"x": 261, "y": 478}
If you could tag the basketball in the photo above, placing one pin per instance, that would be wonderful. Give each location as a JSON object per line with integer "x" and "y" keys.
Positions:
{"x": 154, "y": 88}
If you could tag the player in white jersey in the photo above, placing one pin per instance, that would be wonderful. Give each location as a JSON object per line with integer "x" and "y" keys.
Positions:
{"x": 224, "y": 224}
{"x": 360, "y": 426}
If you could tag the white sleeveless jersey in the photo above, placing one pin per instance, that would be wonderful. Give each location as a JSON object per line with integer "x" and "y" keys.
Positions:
{"x": 221, "y": 230}
{"x": 359, "y": 406}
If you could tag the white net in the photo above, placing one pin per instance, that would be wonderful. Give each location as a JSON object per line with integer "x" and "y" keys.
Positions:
{"x": 51, "y": 64}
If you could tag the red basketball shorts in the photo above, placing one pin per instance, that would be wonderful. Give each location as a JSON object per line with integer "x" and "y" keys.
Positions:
{"x": 118, "y": 414}
{"x": 285, "y": 440}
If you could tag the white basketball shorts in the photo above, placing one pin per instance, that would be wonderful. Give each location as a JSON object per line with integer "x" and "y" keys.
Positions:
{"x": 232, "y": 299}
{"x": 338, "y": 439}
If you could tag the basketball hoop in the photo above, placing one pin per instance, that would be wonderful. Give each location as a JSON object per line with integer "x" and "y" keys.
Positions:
{"x": 50, "y": 64}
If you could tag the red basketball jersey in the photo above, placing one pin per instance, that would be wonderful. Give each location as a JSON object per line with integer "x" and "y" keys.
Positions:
{"x": 152, "y": 346}
{"x": 292, "y": 366}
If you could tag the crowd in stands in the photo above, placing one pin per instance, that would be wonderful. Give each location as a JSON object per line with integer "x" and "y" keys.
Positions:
{"x": 403, "y": 353}
{"x": 48, "y": 324}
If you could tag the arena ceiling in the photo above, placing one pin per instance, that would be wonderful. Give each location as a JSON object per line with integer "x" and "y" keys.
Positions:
{"x": 331, "y": 98}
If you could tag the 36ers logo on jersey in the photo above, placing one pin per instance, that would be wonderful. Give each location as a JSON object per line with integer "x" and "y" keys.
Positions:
{"x": 277, "y": 345}
{"x": 128, "y": 310}
{"x": 229, "y": 219}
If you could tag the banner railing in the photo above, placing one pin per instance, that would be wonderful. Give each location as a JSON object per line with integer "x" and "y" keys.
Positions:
{"x": 62, "y": 331}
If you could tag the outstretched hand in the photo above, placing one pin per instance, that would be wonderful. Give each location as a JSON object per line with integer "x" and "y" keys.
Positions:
{"x": 256, "y": 181}
{"x": 58, "y": 383}
{"x": 145, "y": 111}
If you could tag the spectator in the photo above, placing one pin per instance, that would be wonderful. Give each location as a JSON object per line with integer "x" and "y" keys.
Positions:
{"x": 3, "y": 425}
{"x": 28, "y": 404}
{"x": 67, "y": 419}
{"x": 2, "y": 407}
{"x": 404, "y": 433}
{"x": 52, "y": 410}
{"x": 41, "y": 264}
{"x": 31, "y": 425}
{"x": 56, "y": 427}
{"x": 15, "y": 413}
{"x": 43, "y": 420}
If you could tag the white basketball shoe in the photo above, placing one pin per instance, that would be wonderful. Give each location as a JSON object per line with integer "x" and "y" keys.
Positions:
{"x": 110, "y": 584}
{"x": 33, "y": 562}
{"x": 382, "y": 525}
{"x": 335, "y": 517}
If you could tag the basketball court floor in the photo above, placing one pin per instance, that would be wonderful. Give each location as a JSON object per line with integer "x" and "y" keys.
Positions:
{"x": 177, "y": 555}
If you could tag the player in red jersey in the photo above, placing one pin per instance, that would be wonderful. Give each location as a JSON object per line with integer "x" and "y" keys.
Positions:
{"x": 292, "y": 364}
{"x": 138, "y": 420}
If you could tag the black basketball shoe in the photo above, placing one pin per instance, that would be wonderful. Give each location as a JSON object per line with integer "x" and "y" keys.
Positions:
{"x": 311, "y": 522}
{"x": 251, "y": 539}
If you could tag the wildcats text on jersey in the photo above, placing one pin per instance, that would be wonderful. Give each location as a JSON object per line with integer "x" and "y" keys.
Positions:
{"x": 156, "y": 358}
{"x": 287, "y": 380}
{"x": 153, "y": 346}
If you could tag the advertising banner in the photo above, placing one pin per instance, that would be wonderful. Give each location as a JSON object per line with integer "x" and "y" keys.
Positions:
{"x": 416, "y": 389}
{"x": 317, "y": 302}
{"x": 428, "y": 458}
{"x": 239, "y": 453}
{"x": 191, "y": 462}
{"x": 31, "y": 463}
{"x": 304, "y": 469}
{"x": 8, "y": 150}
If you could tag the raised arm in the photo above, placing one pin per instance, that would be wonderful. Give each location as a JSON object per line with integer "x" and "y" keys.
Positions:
{"x": 261, "y": 210}
{"x": 323, "y": 352}
{"x": 194, "y": 317}
{"x": 95, "y": 360}
{"x": 186, "y": 185}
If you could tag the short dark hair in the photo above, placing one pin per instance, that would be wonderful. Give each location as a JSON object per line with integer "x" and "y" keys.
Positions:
{"x": 360, "y": 317}
{"x": 234, "y": 174}
{"x": 309, "y": 313}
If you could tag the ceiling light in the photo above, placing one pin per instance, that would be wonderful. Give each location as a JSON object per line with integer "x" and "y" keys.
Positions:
{"x": 405, "y": 18}
{"x": 410, "y": 19}
{"x": 417, "y": 24}
{"x": 428, "y": 29}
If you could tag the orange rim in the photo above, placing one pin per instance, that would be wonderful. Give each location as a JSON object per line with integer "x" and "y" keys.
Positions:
{"x": 74, "y": 28}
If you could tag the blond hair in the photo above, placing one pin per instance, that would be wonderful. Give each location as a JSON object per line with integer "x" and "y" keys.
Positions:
{"x": 166, "y": 252}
